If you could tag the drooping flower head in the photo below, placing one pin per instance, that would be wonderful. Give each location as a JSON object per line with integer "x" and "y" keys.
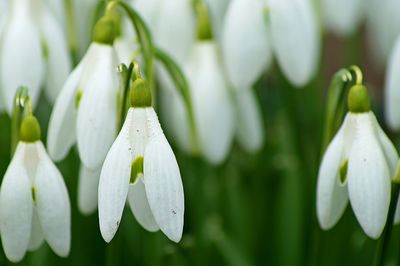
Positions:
{"x": 141, "y": 168}
{"x": 357, "y": 166}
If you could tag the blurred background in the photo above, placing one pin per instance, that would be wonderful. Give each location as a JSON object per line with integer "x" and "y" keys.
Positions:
{"x": 254, "y": 209}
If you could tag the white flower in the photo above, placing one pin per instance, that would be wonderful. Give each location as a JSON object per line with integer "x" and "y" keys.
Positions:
{"x": 246, "y": 44}
{"x": 357, "y": 165}
{"x": 212, "y": 104}
{"x": 33, "y": 52}
{"x": 87, "y": 189}
{"x": 34, "y": 204}
{"x": 92, "y": 86}
{"x": 342, "y": 16}
{"x": 392, "y": 92}
{"x": 295, "y": 38}
{"x": 154, "y": 191}
{"x": 383, "y": 27}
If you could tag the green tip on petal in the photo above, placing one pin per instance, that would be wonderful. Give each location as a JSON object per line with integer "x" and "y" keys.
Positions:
{"x": 358, "y": 99}
{"x": 136, "y": 169}
{"x": 30, "y": 129}
{"x": 105, "y": 30}
{"x": 140, "y": 94}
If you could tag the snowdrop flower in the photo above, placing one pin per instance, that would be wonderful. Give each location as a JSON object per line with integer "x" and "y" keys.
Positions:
{"x": 295, "y": 38}
{"x": 141, "y": 168}
{"x": 357, "y": 165}
{"x": 34, "y": 202}
{"x": 245, "y": 61}
{"x": 392, "y": 92}
{"x": 33, "y": 52}
{"x": 383, "y": 27}
{"x": 212, "y": 104}
{"x": 86, "y": 109}
{"x": 342, "y": 16}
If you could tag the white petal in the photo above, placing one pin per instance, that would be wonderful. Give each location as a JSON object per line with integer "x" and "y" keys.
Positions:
{"x": 52, "y": 204}
{"x": 21, "y": 61}
{"x": 342, "y": 16}
{"x": 392, "y": 91}
{"x": 97, "y": 112}
{"x": 37, "y": 237}
{"x": 61, "y": 133}
{"x": 175, "y": 32}
{"x": 250, "y": 132}
{"x": 114, "y": 182}
{"x": 368, "y": 178}
{"x": 137, "y": 199}
{"x": 295, "y": 39}
{"x": 245, "y": 42}
{"x": 213, "y": 110}
{"x": 163, "y": 182}
{"x": 331, "y": 195}
{"x": 388, "y": 148}
{"x": 16, "y": 207}
{"x": 87, "y": 189}
{"x": 58, "y": 64}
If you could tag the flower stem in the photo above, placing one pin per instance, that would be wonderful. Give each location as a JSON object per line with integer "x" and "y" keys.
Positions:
{"x": 21, "y": 101}
{"x": 383, "y": 245}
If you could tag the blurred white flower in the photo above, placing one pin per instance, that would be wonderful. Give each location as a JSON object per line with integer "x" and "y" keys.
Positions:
{"x": 357, "y": 165}
{"x": 142, "y": 168}
{"x": 342, "y": 16}
{"x": 34, "y": 204}
{"x": 392, "y": 89}
{"x": 246, "y": 43}
{"x": 84, "y": 11}
{"x": 211, "y": 99}
{"x": 383, "y": 27}
{"x": 86, "y": 109}
{"x": 33, "y": 52}
{"x": 218, "y": 11}
{"x": 295, "y": 38}
{"x": 87, "y": 189}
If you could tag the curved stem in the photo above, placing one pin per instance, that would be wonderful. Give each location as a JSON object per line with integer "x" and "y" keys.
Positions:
{"x": 383, "y": 245}
{"x": 125, "y": 75}
{"x": 21, "y": 101}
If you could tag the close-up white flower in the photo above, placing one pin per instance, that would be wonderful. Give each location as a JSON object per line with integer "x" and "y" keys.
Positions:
{"x": 141, "y": 168}
{"x": 33, "y": 52}
{"x": 357, "y": 166}
{"x": 34, "y": 202}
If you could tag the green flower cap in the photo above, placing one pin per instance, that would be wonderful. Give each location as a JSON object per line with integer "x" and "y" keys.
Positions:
{"x": 358, "y": 99}
{"x": 30, "y": 129}
{"x": 140, "y": 94}
{"x": 105, "y": 30}
{"x": 204, "y": 30}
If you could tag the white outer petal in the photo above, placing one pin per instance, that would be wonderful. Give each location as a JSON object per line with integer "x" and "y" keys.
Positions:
{"x": 246, "y": 44}
{"x": 175, "y": 32}
{"x": 332, "y": 197}
{"x": 16, "y": 207}
{"x": 114, "y": 182}
{"x": 342, "y": 16}
{"x": 21, "y": 61}
{"x": 88, "y": 187}
{"x": 52, "y": 204}
{"x": 59, "y": 63}
{"x": 295, "y": 39}
{"x": 97, "y": 113}
{"x": 137, "y": 199}
{"x": 61, "y": 132}
{"x": 213, "y": 110}
{"x": 388, "y": 148}
{"x": 392, "y": 88}
{"x": 250, "y": 131}
{"x": 162, "y": 181}
{"x": 368, "y": 178}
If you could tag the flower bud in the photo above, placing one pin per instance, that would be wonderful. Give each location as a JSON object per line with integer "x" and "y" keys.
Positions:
{"x": 204, "y": 31}
{"x": 140, "y": 94}
{"x": 358, "y": 99}
{"x": 30, "y": 129}
{"x": 105, "y": 30}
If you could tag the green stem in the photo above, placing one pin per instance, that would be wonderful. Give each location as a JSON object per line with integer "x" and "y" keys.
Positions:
{"x": 72, "y": 32}
{"x": 383, "y": 245}
{"x": 125, "y": 75}
{"x": 21, "y": 101}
